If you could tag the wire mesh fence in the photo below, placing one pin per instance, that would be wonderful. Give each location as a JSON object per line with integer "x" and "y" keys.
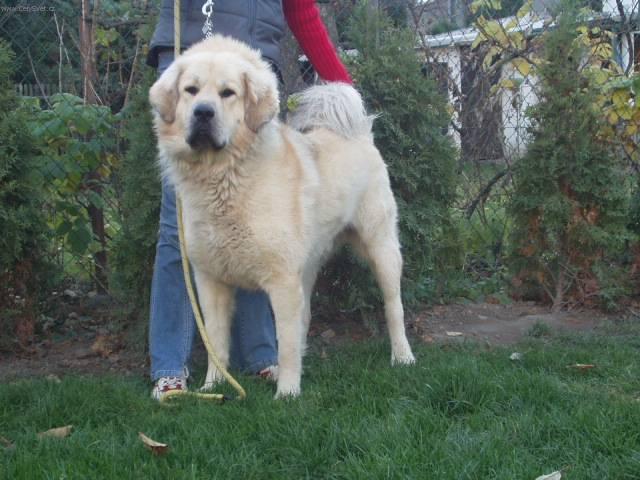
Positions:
{"x": 78, "y": 62}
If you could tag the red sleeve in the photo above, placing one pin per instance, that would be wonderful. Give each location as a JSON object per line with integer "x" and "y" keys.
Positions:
{"x": 306, "y": 24}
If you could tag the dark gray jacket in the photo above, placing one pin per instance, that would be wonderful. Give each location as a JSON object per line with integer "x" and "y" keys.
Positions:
{"x": 260, "y": 23}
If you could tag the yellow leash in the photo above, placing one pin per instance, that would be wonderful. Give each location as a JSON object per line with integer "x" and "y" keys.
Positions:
{"x": 187, "y": 278}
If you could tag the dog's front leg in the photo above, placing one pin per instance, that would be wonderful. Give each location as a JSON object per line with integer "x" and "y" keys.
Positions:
{"x": 216, "y": 301}
{"x": 287, "y": 301}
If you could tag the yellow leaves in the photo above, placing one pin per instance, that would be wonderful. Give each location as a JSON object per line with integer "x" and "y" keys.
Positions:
{"x": 487, "y": 4}
{"x": 489, "y": 57}
{"x": 512, "y": 84}
{"x": 602, "y": 50}
{"x": 582, "y": 29}
{"x": 522, "y": 66}
{"x": 622, "y": 105}
{"x": 524, "y": 10}
{"x": 620, "y": 98}
{"x": 518, "y": 40}
{"x": 598, "y": 75}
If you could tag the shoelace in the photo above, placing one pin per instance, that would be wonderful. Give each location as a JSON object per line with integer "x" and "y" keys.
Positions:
{"x": 172, "y": 383}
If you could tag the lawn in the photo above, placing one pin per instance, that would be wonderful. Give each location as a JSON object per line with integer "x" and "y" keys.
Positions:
{"x": 465, "y": 411}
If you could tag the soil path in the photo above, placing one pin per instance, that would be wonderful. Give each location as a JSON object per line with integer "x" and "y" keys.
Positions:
{"x": 82, "y": 348}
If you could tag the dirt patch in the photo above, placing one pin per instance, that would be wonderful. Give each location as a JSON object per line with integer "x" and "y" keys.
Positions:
{"x": 80, "y": 355}
{"x": 81, "y": 346}
{"x": 500, "y": 324}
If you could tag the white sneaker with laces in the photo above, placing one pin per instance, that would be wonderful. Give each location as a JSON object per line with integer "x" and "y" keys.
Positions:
{"x": 168, "y": 384}
{"x": 270, "y": 373}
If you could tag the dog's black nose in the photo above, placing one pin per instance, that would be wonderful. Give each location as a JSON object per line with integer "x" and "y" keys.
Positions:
{"x": 203, "y": 112}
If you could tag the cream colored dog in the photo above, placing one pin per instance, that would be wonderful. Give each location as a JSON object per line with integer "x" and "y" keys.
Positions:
{"x": 266, "y": 203}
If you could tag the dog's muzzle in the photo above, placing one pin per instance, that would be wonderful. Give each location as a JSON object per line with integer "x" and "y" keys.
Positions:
{"x": 201, "y": 134}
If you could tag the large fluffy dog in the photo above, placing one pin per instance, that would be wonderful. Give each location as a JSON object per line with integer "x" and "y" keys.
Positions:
{"x": 265, "y": 203}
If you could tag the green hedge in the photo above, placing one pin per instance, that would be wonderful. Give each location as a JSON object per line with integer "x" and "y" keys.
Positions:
{"x": 24, "y": 270}
{"x": 134, "y": 247}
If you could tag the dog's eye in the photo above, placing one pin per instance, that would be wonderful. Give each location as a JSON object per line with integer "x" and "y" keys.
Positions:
{"x": 227, "y": 92}
{"x": 192, "y": 90}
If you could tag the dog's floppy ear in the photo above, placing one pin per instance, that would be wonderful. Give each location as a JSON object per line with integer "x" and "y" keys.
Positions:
{"x": 261, "y": 96}
{"x": 163, "y": 94}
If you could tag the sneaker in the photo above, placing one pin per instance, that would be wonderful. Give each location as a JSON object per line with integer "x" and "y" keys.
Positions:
{"x": 269, "y": 373}
{"x": 165, "y": 385}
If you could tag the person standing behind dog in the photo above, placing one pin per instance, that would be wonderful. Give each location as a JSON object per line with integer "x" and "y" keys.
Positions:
{"x": 259, "y": 23}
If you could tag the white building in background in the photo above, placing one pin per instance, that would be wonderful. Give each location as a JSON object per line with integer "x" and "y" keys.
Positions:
{"x": 494, "y": 128}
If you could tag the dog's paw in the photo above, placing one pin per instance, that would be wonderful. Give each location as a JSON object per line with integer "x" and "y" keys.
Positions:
{"x": 287, "y": 392}
{"x": 212, "y": 380}
{"x": 209, "y": 386}
{"x": 405, "y": 358}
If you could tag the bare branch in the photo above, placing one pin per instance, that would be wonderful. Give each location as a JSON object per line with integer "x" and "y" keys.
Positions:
{"x": 484, "y": 193}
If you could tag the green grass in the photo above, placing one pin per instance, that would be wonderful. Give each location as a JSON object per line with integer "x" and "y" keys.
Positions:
{"x": 463, "y": 412}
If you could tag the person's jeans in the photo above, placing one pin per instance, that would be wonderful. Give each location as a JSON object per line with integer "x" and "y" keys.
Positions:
{"x": 172, "y": 324}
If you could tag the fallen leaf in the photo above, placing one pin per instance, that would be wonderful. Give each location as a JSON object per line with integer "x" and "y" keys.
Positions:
{"x": 5, "y": 442}
{"x": 550, "y": 476}
{"x": 328, "y": 334}
{"x": 105, "y": 345}
{"x": 582, "y": 366}
{"x": 156, "y": 448}
{"x": 53, "y": 378}
{"x": 493, "y": 300}
{"x": 427, "y": 338}
{"x": 454, "y": 334}
{"x": 515, "y": 356}
{"x": 60, "y": 432}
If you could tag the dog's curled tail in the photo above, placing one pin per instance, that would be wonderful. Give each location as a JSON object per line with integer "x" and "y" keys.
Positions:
{"x": 335, "y": 106}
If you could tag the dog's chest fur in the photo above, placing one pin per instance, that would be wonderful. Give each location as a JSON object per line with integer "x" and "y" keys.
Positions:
{"x": 219, "y": 238}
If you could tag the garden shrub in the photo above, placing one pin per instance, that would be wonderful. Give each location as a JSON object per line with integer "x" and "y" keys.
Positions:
{"x": 569, "y": 202}
{"x": 134, "y": 246}
{"x": 24, "y": 270}
{"x": 409, "y": 131}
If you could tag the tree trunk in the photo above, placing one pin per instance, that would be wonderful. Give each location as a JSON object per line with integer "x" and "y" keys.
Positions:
{"x": 93, "y": 179}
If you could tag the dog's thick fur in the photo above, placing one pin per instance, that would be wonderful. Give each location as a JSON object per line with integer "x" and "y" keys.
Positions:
{"x": 265, "y": 203}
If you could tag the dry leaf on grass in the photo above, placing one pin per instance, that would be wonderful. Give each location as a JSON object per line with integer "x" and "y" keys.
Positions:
{"x": 328, "y": 334}
{"x": 550, "y": 476}
{"x": 156, "y": 448}
{"x": 53, "y": 378}
{"x": 60, "y": 432}
{"x": 582, "y": 366}
{"x": 5, "y": 442}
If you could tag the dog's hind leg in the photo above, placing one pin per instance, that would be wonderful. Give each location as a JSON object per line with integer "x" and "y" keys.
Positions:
{"x": 287, "y": 301}
{"x": 377, "y": 239}
{"x": 216, "y": 302}
{"x": 308, "y": 281}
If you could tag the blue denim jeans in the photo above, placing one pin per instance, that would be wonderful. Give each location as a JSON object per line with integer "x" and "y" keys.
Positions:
{"x": 172, "y": 324}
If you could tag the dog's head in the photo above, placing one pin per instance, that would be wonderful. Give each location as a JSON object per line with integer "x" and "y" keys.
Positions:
{"x": 211, "y": 92}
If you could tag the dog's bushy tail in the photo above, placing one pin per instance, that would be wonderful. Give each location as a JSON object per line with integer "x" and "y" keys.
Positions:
{"x": 335, "y": 106}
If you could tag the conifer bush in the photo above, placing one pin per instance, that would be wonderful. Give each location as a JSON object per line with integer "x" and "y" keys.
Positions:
{"x": 134, "y": 247}
{"x": 569, "y": 202}
{"x": 24, "y": 270}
